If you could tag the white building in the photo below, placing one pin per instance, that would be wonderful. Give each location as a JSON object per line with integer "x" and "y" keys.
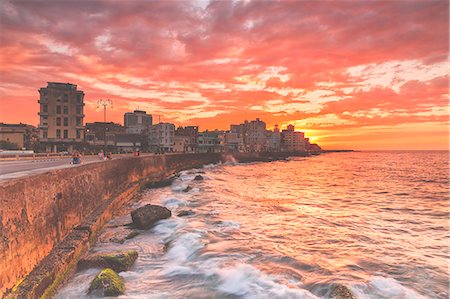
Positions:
{"x": 161, "y": 137}
{"x": 137, "y": 122}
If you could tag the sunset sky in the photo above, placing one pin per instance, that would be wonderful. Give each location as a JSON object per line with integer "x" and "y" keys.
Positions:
{"x": 350, "y": 74}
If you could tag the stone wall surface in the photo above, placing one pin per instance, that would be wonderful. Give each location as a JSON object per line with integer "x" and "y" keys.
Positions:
{"x": 38, "y": 211}
{"x": 48, "y": 220}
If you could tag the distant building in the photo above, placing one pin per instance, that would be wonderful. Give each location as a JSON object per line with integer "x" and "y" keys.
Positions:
{"x": 192, "y": 133}
{"x": 211, "y": 141}
{"x": 293, "y": 141}
{"x": 126, "y": 142}
{"x": 61, "y": 116}
{"x": 96, "y": 132}
{"x": 181, "y": 144}
{"x": 161, "y": 137}
{"x": 22, "y": 135}
{"x": 273, "y": 141}
{"x": 254, "y": 135}
{"x": 234, "y": 141}
{"x": 137, "y": 122}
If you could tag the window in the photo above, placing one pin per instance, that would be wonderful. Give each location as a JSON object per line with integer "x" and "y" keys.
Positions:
{"x": 66, "y": 121}
{"x": 66, "y": 134}
{"x": 79, "y": 121}
{"x": 79, "y": 110}
{"x": 65, "y": 98}
{"x": 45, "y": 108}
{"x": 58, "y": 133}
{"x": 58, "y": 121}
{"x": 58, "y": 109}
{"x": 78, "y": 134}
{"x": 44, "y": 134}
{"x": 66, "y": 110}
{"x": 79, "y": 98}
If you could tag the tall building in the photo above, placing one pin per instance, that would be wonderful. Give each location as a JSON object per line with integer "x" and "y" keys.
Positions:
{"x": 137, "y": 122}
{"x": 211, "y": 141}
{"x": 161, "y": 137}
{"x": 61, "y": 116}
{"x": 254, "y": 134}
{"x": 293, "y": 141}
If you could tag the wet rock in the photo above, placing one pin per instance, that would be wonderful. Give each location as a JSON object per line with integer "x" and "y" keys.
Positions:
{"x": 342, "y": 292}
{"x": 107, "y": 283}
{"x": 161, "y": 183}
{"x": 118, "y": 261}
{"x": 132, "y": 235}
{"x": 198, "y": 178}
{"x": 187, "y": 189}
{"x": 144, "y": 217}
{"x": 185, "y": 213}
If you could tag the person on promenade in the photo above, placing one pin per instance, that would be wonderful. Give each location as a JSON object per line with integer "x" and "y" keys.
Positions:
{"x": 101, "y": 156}
{"x": 109, "y": 156}
{"x": 76, "y": 157}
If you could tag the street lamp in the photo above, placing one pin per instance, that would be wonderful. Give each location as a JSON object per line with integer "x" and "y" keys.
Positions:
{"x": 104, "y": 103}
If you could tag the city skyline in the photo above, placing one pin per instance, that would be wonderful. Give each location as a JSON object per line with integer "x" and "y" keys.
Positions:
{"x": 369, "y": 75}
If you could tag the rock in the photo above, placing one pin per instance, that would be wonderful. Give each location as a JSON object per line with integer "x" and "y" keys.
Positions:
{"x": 118, "y": 261}
{"x": 131, "y": 235}
{"x": 185, "y": 213}
{"x": 341, "y": 292}
{"x": 144, "y": 217}
{"x": 187, "y": 189}
{"x": 198, "y": 178}
{"x": 161, "y": 183}
{"x": 107, "y": 283}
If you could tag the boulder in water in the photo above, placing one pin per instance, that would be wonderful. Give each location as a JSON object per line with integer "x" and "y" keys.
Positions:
{"x": 198, "y": 178}
{"x": 144, "y": 217}
{"x": 187, "y": 189}
{"x": 342, "y": 292}
{"x": 185, "y": 213}
{"x": 117, "y": 261}
{"x": 108, "y": 283}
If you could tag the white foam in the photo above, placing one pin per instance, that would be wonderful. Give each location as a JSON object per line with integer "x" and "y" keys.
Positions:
{"x": 173, "y": 203}
{"x": 384, "y": 287}
{"x": 184, "y": 247}
{"x": 247, "y": 281}
{"x": 168, "y": 227}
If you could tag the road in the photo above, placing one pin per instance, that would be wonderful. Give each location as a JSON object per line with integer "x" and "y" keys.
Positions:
{"x": 20, "y": 168}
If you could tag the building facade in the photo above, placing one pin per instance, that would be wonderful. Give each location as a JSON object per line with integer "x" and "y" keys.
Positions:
{"x": 22, "y": 135}
{"x": 211, "y": 141}
{"x": 61, "y": 116}
{"x": 161, "y": 137}
{"x": 191, "y": 132}
{"x": 96, "y": 132}
{"x": 293, "y": 141}
{"x": 137, "y": 122}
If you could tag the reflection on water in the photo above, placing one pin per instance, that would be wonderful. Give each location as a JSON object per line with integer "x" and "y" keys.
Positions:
{"x": 374, "y": 221}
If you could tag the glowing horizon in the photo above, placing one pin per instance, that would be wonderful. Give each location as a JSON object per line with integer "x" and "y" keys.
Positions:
{"x": 351, "y": 75}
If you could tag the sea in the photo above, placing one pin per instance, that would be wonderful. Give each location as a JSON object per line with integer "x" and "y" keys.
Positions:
{"x": 374, "y": 221}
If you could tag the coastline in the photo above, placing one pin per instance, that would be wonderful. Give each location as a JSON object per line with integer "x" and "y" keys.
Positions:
{"x": 60, "y": 260}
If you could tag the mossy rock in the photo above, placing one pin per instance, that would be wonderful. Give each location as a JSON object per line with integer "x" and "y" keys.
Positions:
{"x": 107, "y": 282}
{"x": 118, "y": 261}
{"x": 342, "y": 292}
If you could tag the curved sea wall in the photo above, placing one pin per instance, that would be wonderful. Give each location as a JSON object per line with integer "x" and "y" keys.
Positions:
{"x": 48, "y": 220}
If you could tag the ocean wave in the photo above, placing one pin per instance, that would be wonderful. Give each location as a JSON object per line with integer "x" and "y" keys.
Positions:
{"x": 384, "y": 287}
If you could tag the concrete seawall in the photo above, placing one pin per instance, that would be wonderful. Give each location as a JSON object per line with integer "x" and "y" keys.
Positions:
{"x": 47, "y": 221}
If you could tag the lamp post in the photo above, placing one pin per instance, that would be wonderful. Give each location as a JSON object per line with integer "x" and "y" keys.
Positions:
{"x": 105, "y": 103}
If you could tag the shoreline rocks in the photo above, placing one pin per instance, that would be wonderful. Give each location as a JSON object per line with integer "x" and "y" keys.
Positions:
{"x": 198, "y": 177}
{"x": 107, "y": 283}
{"x": 342, "y": 292}
{"x": 146, "y": 216}
{"x": 117, "y": 261}
{"x": 185, "y": 213}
